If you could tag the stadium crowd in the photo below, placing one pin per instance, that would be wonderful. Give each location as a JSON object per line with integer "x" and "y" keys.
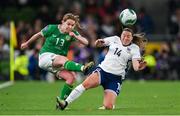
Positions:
{"x": 99, "y": 19}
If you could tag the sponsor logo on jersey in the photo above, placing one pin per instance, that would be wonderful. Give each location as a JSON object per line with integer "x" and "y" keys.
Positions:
{"x": 68, "y": 38}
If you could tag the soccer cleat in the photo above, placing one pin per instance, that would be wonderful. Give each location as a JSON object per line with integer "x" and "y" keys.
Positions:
{"x": 87, "y": 67}
{"x": 57, "y": 102}
{"x": 57, "y": 106}
{"x": 61, "y": 104}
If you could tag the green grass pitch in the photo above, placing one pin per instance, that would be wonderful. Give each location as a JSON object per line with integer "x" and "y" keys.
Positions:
{"x": 38, "y": 98}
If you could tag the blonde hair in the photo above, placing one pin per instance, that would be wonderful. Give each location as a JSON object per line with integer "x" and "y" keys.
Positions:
{"x": 140, "y": 40}
{"x": 73, "y": 17}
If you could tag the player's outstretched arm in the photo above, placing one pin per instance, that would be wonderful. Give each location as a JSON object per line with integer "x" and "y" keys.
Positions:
{"x": 80, "y": 38}
{"x": 28, "y": 42}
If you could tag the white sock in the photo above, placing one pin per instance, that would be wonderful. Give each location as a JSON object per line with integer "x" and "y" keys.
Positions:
{"x": 75, "y": 93}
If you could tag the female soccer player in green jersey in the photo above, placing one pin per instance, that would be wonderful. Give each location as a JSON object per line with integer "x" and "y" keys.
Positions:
{"x": 53, "y": 54}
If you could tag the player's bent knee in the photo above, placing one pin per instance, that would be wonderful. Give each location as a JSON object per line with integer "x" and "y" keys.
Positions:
{"x": 70, "y": 80}
{"x": 91, "y": 81}
{"x": 60, "y": 60}
{"x": 67, "y": 76}
{"x": 86, "y": 85}
{"x": 58, "y": 63}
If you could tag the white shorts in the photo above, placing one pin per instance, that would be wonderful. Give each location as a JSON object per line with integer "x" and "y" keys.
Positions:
{"x": 46, "y": 60}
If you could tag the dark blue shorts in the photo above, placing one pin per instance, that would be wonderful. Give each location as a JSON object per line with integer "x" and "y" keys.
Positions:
{"x": 109, "y": 81}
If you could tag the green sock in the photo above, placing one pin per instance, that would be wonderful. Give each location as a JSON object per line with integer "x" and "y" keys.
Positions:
{"x": 72, "y": 66}
{"x": 66, "y": 91}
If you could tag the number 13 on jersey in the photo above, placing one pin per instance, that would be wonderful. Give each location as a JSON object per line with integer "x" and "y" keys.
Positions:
{"x": 61, "y": 41}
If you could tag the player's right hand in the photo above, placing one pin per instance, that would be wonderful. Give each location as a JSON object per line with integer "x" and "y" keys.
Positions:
{"x": 99, "y": 42}
{"x": 24, "y": 45}
{"x": 142, "y": 64}
{"x": 72, "y": 34}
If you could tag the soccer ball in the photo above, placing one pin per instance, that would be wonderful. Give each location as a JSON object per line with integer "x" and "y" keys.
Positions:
{"x": 128, "y": 17}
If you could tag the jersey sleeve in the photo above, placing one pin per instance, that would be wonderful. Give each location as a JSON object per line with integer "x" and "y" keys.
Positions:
{"x": 135, "y": 52}
{"x": 46, "y": 31}
{"x": 76, "y": 33}
{"x": 109, "y": 40}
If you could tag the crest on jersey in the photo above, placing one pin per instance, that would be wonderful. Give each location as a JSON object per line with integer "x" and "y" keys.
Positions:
{"x": 54, "y": 35}
{"x": 68, "y": 38}
{"x": 128, "y": 50}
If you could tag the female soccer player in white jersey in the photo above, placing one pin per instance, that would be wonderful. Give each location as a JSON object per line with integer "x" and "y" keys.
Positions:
{"x": 111, "y": 71}
{"x": 53, "y": 54}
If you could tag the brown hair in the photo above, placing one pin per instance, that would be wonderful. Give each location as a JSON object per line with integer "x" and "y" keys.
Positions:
{"x": 73, "y": 17}
{"x": 140, "y": 40}
{"x": 129, "y": 30}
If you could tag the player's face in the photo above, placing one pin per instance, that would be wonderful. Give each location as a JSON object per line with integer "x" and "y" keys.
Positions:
{"x": 126, "y": 37}
{"x": 68, "y": 25}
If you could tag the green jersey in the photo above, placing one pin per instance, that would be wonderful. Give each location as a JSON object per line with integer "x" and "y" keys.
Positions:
{"x": 55, "y": 41}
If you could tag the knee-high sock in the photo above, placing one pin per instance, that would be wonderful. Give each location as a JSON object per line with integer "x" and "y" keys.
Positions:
{"x": 75, "y": 93}
{"x": 66, "y": 91}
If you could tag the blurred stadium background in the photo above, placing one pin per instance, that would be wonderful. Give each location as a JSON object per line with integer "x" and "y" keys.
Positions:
{"x": 159, "y": 19}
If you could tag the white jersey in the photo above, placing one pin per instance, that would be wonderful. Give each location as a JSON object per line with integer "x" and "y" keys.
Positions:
{"x": 116, "y": 60}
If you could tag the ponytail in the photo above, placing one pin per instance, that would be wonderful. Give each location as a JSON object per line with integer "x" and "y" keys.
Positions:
{"x": 140, "y": 40}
